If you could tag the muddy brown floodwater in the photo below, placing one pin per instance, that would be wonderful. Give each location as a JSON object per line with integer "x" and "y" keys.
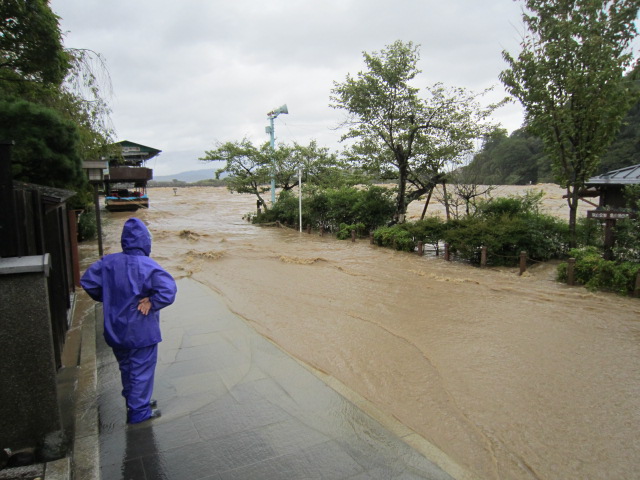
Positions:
{"x": 511, "y": 377}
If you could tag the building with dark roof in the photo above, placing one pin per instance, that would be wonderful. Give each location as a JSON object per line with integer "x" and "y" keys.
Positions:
{"x": 610, "y": 186}
{"x": 126, "y": 183}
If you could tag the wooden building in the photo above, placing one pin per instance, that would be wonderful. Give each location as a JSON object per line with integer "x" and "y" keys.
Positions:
{"x": 126, "y": 183}
{"x": 610, "y": 186}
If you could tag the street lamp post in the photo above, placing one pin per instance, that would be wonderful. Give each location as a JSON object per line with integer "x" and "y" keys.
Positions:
{"x": 95, "y": 174}
{"x": 270, "y": 130}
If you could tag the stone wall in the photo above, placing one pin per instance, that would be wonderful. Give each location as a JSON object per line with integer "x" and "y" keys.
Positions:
{"x": 29, "y": 411}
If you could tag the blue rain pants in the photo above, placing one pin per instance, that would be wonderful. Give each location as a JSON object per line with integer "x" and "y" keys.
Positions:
{"x": 137, "y": 369}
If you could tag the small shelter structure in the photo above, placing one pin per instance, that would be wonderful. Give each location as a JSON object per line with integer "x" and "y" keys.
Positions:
{"x": 126, "y": 183}
{"x": 610, "y": 186}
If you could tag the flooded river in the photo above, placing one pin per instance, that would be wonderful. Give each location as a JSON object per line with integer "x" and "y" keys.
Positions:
{"x": 511, "y": 377}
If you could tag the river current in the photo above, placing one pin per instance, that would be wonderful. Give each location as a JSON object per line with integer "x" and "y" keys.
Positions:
{"x": 510, "y": 376}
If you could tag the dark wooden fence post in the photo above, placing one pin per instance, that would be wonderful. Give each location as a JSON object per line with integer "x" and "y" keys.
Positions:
{"x": 483, "y": 256}
{"x": 571, "y": 264}
{"x": 309, "y": 229}
{"x": 322, "y": 231}
{"x": 447, "y": 255}
{"x": 420, "y": 249}
{"x": 353, "y": 235}
{"x": 10, "y": 245}
{"x": 523, "y": 262}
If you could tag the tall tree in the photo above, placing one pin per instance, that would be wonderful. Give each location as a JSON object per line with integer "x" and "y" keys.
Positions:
{"x": 46, "y": 150}
{"x": 249, "y": 167}
{"x": 31, "y": 48}
{"x": 44, "y": 84}
{"x": 398, "y": 133}
{"x": 569, "y": 78}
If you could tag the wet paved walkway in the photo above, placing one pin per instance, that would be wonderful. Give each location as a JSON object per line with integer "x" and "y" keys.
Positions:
{"x": 234, "y": 406}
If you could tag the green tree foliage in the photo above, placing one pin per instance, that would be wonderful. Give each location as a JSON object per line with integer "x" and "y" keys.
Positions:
{"x": 543, "y": 237}
{"x": 595, "y": 273}
{"x": 46, "y": 145}
{"x": 400, "y": 135}
{"x": 250, "y": 167}
{"x": 83, "y": 99}
{"x": 334, "y": 209}
{"x": 569, "y": 78}
{"x": 31, "y": 48}
{"x": 519, "y": 158}
{"x": 625, "y": 150}
{"x": 506, "y": 226}
{"x": 52, "y": 105}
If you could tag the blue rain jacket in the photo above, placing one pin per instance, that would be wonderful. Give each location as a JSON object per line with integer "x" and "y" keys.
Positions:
{"x": 120, "y": 280}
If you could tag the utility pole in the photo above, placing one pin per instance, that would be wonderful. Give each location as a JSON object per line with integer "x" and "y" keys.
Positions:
{"x": 270, "y": 130}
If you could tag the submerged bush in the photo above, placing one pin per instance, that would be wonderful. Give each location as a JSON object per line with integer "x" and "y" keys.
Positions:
{"x": 397, "y": 236}
{"x": 345, "y": 230}
{"x": 330, "y": 208}
{"x": 285, "y": 210}
{"x": 596, "y": 273}
{"x": 543, "y": 237}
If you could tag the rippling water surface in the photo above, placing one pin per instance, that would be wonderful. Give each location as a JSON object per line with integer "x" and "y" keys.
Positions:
{"x": 512, "y": 377}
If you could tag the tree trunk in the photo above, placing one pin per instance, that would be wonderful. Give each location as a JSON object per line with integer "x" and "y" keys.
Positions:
{"x": 264, "y": 204}
{"x": 426, "y": 204}
{"x": 401, "y": 206}
{"x": 446, "y": 200}
{"x": 572, "y": 200}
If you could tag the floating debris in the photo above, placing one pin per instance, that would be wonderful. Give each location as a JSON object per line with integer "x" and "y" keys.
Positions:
{"x": 189, "y": 235}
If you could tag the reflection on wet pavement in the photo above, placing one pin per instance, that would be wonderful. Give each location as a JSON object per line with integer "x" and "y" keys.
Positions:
{"x": 234, "y": 406}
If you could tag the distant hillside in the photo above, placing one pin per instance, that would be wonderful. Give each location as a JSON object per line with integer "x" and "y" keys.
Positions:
{"x": 519, "y": 159}
{"x": 189, "y": 177}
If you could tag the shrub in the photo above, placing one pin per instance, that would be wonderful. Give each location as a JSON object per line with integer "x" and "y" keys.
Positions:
{"x": 589, "y": 232}
{"x": 285, "y": 210}
{"x": 541, "y": 236}
{"x": 330, "y": 208}
{"x": 344, "y": 231}
{"x": 529, "y": 203}
{"x": 508, "y": 226}
{"x": 595, "y": 273}
{"x": 396, "y": 236}
{"x": 87, "y": 227}
{"x": 428, "y": 231}
{"x": 466, "y": 236}
{"x": 373, "y": 207}
{"x": 627, "y": 246}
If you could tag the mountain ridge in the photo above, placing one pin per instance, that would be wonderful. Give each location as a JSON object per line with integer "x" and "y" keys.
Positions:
{"x": 188, "y": 176}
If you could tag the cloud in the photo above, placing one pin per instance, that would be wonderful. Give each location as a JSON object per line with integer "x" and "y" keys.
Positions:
{"x": 188, "y": 74}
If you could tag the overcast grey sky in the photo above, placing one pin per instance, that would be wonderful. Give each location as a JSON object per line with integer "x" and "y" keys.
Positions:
{"x": 189, "y": 73}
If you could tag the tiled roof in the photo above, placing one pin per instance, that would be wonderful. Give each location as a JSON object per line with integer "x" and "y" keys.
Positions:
{"x": 622, "y": 176}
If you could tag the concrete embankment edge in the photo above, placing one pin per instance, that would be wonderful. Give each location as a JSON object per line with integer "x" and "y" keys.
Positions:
{"x": 85, "y": 464}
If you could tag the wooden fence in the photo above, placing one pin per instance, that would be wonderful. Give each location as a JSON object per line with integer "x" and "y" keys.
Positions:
{"x": 34, "y": 221}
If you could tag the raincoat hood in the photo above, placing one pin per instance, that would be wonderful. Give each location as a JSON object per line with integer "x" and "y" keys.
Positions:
{"x": 135, "y": 237}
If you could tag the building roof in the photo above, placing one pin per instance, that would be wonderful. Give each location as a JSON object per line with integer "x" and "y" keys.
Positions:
{"x": 137, "y": 152}
{"x": 622, "y": 176}
{"x": 49, "y": 194}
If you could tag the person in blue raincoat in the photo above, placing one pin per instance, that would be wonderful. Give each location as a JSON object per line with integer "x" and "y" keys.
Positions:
{"x": 133, "y": 289}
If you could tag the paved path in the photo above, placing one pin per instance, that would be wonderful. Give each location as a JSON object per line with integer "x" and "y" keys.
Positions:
{"x": 234, "y": 406}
